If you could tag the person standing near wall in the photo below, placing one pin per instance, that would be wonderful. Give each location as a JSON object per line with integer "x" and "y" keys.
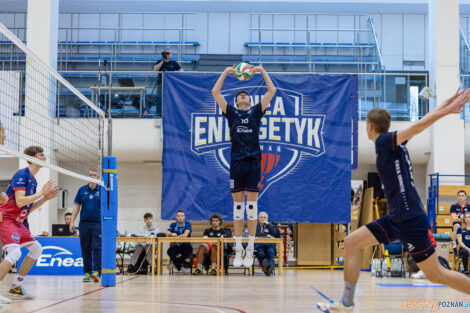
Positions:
{"x": 88, "y": 200}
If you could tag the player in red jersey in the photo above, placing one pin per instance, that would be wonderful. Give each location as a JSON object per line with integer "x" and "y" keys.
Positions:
{"x": 22, "y": 200}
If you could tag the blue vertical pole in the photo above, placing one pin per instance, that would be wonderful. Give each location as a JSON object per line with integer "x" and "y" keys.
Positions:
{"x": 109, "y": 204}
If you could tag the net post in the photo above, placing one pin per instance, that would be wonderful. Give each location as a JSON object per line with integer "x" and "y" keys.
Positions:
{"x": 109, "y": 205}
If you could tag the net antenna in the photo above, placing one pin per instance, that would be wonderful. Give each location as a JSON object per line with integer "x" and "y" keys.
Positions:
{"x": 39, "y": 107}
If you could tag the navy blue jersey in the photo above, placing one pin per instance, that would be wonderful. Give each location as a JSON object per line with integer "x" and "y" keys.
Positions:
{"x": 465, "y": 233}
{"x": 396, "y": 174}
{"x": 180, "y": 229}
{"x": 214, "y": 233}
{"x": 90, "y": 202}
{"x": 458, "y": 209}
{"x": 244, "y": 128}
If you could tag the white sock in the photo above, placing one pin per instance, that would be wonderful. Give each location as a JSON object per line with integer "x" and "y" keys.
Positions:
{"x": 238, "y": 243}
{"x": 199, "y": 266}
{"x": 251, "y": 242}
{"x": 213, "y": 266}
{"x": 18, "y": 280}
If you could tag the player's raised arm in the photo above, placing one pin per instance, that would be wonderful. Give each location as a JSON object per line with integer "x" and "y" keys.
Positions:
{"x": 452, "y": 105}
{"x": 271, "y": 89}
{"x": 23, "y": 200}
{"x": 218, "y": 87}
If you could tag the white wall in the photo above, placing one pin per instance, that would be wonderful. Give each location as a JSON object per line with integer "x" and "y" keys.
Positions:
{"x": 8, "y": 167}
{"x": 139, "y": 192}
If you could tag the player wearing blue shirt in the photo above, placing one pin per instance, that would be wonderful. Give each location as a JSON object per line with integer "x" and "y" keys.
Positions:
{"x": 457, "y": 210}
{"x": 407, "y": 220}
{"x": 88, "y": 202}
{"x": 178, "y": 252}
{"x": 245, "y": 159}
{"x": 463, "y": 237}
{"x": 23, "y": 198}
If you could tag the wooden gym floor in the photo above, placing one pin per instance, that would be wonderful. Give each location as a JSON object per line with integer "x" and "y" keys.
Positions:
{"x": 297, "y": 291}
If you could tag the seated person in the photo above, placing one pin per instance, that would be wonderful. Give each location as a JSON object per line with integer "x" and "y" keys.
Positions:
{"x": 210, "y": 249}
{"x": 266, "y": 251}
{"x": 463, "y": 237}
{"x": 68, "y": 220}
{"x": 457, "y": 211}
{"x": 179, "y": 252}
{"x": 147, "y": 230}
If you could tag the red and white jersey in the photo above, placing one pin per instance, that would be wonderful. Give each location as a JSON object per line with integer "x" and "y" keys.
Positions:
{"x": 22, "y": 180}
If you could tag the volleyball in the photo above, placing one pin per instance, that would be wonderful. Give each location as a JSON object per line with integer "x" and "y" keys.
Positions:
{"x": 243, "y": 71}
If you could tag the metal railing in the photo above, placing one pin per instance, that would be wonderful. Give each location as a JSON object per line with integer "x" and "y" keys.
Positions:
{"x": 372, "y": 27}
{"x": 363, "y": 44}
{"x": 397, "y": 92}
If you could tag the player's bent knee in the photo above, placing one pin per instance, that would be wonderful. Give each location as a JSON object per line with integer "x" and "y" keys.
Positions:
{"x": 352, "y": 242}
{"x": 13, "y": 254}
{"x": 35, "y": 250}
{"x": 252, "y": 210}
{"x": 238, "y": 211}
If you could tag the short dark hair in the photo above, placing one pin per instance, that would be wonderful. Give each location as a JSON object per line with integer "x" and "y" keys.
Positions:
{"x": 243, "y": 91}
{"x": 180, "y": 211}
{"x": 147, "y": 215}
{"x": 217, "y": 216}
{"x": 465, "y": 193}
{"x": 68, "y": 213}
{"x": 32, "y": 151}
{"x": 380, "y": 119}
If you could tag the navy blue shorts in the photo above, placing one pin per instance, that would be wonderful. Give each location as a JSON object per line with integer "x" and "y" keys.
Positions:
{"x": 245, "y": 174}
{"x": 412, "y": 233}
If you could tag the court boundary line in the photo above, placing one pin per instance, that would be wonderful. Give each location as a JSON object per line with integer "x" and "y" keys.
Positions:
{"x": 321, "y": 294}
{"x": 78, "y": 296}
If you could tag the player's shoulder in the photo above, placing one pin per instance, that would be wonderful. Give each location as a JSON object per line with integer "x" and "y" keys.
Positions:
{"x": 257, "y": 106}
{"x": 22, "y": 172}
{"x": 384, "y": 136}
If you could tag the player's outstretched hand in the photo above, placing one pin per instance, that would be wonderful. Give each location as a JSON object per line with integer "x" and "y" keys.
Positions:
{"x": 54, "y": 193}
{"x": 256, "y": 69}
{"x": 455, "y": 104}
{"x": 230, "y": 69}
{"x": 49, "y": 186}
{"x": 3, "y": 197}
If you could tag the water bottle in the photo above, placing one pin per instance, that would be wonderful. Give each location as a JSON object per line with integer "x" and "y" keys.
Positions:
{"x": 399, "y": 268}
{"x": 394, "y": 269}
{"x": 378, "y": 273}
{"x": 384, "y": 268}
{"x": 373, "y": 267}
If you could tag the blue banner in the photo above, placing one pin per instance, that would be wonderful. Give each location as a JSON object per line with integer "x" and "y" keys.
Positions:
{"x": 306, "y": 137}
{"x": 60, "y": 256}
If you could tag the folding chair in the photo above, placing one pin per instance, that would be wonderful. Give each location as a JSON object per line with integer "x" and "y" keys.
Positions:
{"x": 395, "y": 251}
